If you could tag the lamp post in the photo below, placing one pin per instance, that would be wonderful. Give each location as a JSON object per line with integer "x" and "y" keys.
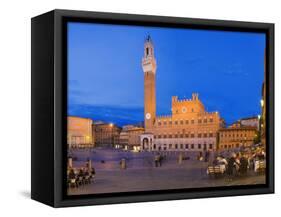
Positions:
{"x": 111, "y": 127}
{"x": 259, "y": 122}
{"x": 262, "y": 122}
{"x": 262, "y": 109}
{"x": 262, "y": 102}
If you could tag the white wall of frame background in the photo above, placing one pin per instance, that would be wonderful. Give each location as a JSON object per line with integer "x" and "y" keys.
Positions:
{"x": 15, "y": 106}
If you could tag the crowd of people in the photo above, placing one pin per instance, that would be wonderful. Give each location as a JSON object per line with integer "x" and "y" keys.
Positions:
{"x": 230, "y": 163}
{"x": 240, "y": 163}
{"x": 80, "y": 176}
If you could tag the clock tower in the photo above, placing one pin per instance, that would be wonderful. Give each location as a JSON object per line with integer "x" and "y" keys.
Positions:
{"x": 149, "y": 69}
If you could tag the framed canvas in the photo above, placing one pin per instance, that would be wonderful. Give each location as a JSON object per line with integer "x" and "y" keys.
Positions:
{"x": 133, "y": 108}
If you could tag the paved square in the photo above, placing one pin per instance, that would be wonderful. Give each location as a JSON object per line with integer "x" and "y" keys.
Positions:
{"x": 142, "y": 175}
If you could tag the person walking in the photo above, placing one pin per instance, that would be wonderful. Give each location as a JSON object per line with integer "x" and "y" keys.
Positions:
{"x": 237, "y": 164}
{"x": 230, "y": 167}
{"x": 200, "y": 156}
{"x": 123, "y": 163}
{"x": 207, "y": 154}
{"x": 243, "y": 165}
{"x": 93, "y": 172}
{"x": 180, "y": 158}
{"x": 160, "y": 160}
{"x": 156, "y": 160}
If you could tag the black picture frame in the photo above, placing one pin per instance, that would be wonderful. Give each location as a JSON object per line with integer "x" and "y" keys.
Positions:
{"x": 49, "y": 119}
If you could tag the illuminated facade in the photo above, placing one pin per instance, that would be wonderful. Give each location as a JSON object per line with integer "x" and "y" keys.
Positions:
{"x": 263, "y": 108}
{"x": 130, "y": 137}
{"x": 106, "y": 134}
{"x": 237, "y": 136}
{"x": 79, "y": 132}
{"x": 189, "y": 128}
{"x": 250, "y": 122}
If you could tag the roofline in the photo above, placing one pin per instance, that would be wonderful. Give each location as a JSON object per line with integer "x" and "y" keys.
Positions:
{"x": 253, "y": 117}
{"x": 71, "y": 116}
{"x": 239, "y": 128}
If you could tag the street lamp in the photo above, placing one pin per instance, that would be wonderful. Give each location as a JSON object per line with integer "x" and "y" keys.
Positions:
{"x": 262, "y": 102}
{"x": 111, "y": 126}
{"x": 87, "y": 140}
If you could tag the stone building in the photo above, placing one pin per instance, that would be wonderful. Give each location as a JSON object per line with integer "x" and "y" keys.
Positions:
{"x": 130, "y": 137}
{"x": 79, "y": 132}
{"x": 237, "y": 136}
{"x": 190, "y": 127}
{"x": 263, "y": 108}
{"x": 106, "y": 134}
{"x": 251, "y": 122}
{"x": 124, "y": 138}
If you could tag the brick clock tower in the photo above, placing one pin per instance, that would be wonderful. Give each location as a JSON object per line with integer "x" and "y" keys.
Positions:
{"x": 149, "y": 69}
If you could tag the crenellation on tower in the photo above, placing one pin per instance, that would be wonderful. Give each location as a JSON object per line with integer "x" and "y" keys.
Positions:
{"x": 195, "y": 96}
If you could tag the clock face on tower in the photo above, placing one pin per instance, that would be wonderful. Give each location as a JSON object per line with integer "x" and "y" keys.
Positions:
{"x": 147, "y": 116}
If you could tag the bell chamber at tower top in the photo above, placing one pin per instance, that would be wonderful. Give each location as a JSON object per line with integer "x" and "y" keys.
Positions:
{"x": 148, "y": 60}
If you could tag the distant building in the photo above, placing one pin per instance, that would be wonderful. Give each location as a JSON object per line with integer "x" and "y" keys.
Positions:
{"x": 128, "y": 127}
{"x": 189, "y": 128}
{"x": 106, "y": 134}
{"x": 79, "y": 132}
{"x": 263, "y": 108}
{"x": 237, "y": 136}
{"x": 124, "y": 138}
{"x": 250, "y": 122}
{"x": 134, "y": 138}
{"x": 130, "y": 137}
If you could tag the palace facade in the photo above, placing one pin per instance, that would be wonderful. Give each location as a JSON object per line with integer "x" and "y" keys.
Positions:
{"x": 189, "y": 127}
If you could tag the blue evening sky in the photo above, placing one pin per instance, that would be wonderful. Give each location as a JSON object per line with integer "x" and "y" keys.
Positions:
{"x": 105, "y": 77}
